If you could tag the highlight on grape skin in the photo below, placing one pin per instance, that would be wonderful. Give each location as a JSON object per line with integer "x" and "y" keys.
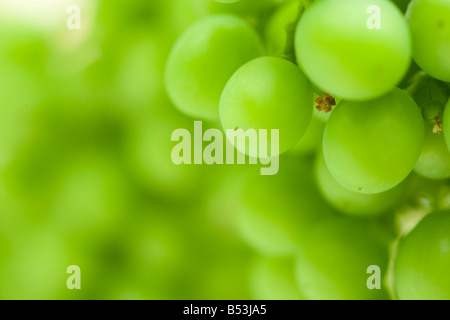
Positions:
{"x": 430, "y": 29}
{"x": 194, "y": 80}
{"x": 268, "y": 93}
{"x": 359, "y": 146}
{"x": 357, "y": 50}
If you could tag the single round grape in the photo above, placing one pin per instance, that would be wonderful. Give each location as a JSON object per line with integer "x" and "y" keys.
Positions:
{"x": 422, "y": 263}
{"x": 372, "y": 146}
{"x": 433, "y": 112}
{"x": 268, "y": 93}
{"x": 204, "y": 58}
{"x": 354, "y": 203}
{"x": 334, "y": 259}
{"x": 356, "y": 50}
{"x": 429, "y": 22}
{"x": 446, "y": 124}
{"x": 434, "y": 160}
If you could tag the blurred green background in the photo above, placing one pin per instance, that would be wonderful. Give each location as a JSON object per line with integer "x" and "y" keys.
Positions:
{"x": 86, "y": 176}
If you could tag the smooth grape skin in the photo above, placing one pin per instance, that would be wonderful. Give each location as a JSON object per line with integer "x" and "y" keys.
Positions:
{"x": 446, "y": 124}
{"x": 354, "y": 203}
{"x": 429, "y": 22}
{"x": 434, "y": 160}
{"x": 333, "y": 260}
{"x": 422, "y": 263}
{"x": 343, "y": 57}
{"x": 204, "y": 58}
{"x": 372, "y": 146}
{"x": 268, "y": 93}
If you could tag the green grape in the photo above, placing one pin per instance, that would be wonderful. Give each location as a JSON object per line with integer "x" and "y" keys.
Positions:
{"x": 268, "y": 93}
{"x": 342, "y": 50}
{"x": 446, "y": 124}
{"x": 422, "y": 263}
{"x": 429, "y": 22}
{"x": 432, "y": 112}
{"x": 274, "y": 279}
{"x": 275, "y": 32}
{"x": 276, "y": 211}
{"x": 204, "y": 58}
{"x": 354, "y": 203}
{"x": 334, "y": 259}
{"x": 434, "y": 160}
{"x": 372, "y": 146}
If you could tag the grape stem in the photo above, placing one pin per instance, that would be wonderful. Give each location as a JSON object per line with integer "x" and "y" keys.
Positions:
{"x": 325, "y": 103}
{"x": 289, "y": 49}
{"x": 437, "y": 128}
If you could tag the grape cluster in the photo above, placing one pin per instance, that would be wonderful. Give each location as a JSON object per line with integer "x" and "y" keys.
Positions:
{"x": 361, "y": 85}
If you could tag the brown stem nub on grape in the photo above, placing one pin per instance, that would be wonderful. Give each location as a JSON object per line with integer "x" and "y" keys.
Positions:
{"x": 437, "y": 128}
{"x": 325, "y": 103}
{"x": 432, "y": 113}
